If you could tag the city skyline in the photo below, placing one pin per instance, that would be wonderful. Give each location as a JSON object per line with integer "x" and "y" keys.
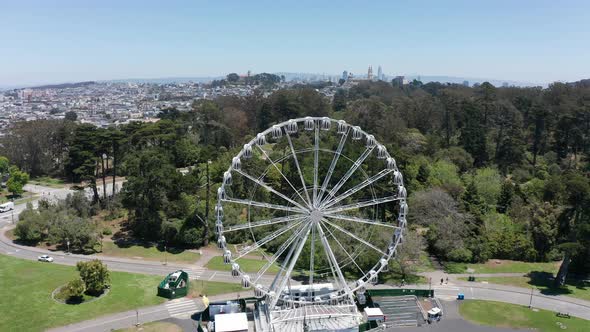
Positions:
{"x": 537, "y": 42}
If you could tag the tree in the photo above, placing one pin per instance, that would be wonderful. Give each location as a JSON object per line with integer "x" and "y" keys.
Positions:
{"x": 505, "y": 198}
{"x": 4, "y": 165}
{"x": 232, "y": 77}
{"x": 31, "y": 226}
{"x": 95, "y": 275}
{"x": 473, "y": 134}
{"x": 409, "y": 254}
{"x": 575, "y": 219}
{"x": 71, "y": 116}
{"x": 74, "y": 289}
{"x": 17, "y": 181}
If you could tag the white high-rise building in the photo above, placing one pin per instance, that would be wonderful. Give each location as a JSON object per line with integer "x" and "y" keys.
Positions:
{"x": 379, "y": 74}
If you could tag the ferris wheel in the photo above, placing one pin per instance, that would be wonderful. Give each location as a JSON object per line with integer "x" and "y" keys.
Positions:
{"x": 317, "y": 200}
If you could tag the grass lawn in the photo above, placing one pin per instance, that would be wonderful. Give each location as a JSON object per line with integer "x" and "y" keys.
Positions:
{"x": 48, "y": 182}
{"x": 246, "y": 264}
{"x": 543, "y": 284}
{"x": 500, "y": 314}
{"x": 152, "y": 253}
{"x": 502, "y": 266}
{"x": 154, "y": 327}
{"x": 26, "y": 295}
{"x": 212, "y": 288}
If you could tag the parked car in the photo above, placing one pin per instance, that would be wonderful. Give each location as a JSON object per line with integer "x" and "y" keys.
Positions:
{"x": 45, "y": 258}
{"x": 6, "y": 207}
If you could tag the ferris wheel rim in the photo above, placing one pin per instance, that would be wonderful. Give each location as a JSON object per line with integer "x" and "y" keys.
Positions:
{"x": 260, "y": 138}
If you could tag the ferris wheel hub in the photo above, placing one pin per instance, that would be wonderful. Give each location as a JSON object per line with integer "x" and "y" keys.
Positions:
{"x": 316, "y": 216}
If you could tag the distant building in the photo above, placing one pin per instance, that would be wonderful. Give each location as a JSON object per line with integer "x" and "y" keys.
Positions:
{"x": 505, "y": 84}
{"x": 345, "y": 75}
{"x": 398, "y": 81}
{"x": 379, "y": 74}
{"x": 465, "y": 83}
{"x": 370, "y": 73}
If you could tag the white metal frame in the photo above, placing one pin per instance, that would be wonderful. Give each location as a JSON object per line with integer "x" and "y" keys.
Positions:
{"x": 315, "y": 209}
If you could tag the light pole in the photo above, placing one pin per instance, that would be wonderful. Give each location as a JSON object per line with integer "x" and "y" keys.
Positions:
{"x": 165, "y": 256}
{"x": 12, "y": 216}
{"x": 136, "y": 317}
{"x": 531, "y": 301}
{"x": 104, "y": 184}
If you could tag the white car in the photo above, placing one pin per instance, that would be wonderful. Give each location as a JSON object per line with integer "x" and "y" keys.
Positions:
{"x": 45, "y": 258}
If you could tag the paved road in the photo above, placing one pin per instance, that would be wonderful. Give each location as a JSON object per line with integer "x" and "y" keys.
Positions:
{"x": 448, "y": 292}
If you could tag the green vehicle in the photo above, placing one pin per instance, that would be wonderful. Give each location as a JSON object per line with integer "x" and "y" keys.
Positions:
{"x": 175, "y": 285}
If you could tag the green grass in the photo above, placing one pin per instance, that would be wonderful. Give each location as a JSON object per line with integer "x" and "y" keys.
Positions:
{"x": 26, "y": 295}
{"x": 543, "y": 283}
{"x": 212, "y": 288}
{"x": 500, "y": 314}
{"x": 246, "y": 264}
{"x": 47, "y": 182}
{"x": 151, "y": 253}
{"x": 502, "y": 266}
{"x": 24, "y": 200}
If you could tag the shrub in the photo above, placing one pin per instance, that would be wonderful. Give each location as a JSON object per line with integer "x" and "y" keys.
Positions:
{"x": 74, "y": 290}
{"x": 95, "y": 275}
{"x": 107, "y": 231}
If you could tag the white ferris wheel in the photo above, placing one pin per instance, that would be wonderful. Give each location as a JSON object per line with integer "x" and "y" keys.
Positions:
{"x": 321, "y": 202}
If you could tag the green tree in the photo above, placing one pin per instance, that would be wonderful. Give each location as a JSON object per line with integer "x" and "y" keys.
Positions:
{"x": 4, "y": 165}
{"x": 17, "y": 181}
{"x": 574, "y": 221}
{"x": 74, "y": 289}
{"x": 71, "y": 116}
{"x": 505, "y": 199}
{"x": 232, "y": 77}
{"x": 95, "y": 275}
{"x": 473, "y": 133}
{"x": 31, "y": 226}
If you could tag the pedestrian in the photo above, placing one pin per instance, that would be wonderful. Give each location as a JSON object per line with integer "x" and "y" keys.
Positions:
{"x": 442, "y": 280}
{"x": 447, "y": 280}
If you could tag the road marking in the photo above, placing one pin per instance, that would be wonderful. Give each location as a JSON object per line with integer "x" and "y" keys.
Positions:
{"x": 182, "y": 307}
{"x": 213, "y": 275}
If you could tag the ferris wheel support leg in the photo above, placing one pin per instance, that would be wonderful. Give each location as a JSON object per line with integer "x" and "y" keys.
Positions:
{"x": 292, "y": 262}
{"x": 332, "y": 258}
{"x": 298, "y": 168}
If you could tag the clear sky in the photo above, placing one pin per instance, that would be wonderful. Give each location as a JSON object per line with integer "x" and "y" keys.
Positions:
{"x": 58, "y": 41}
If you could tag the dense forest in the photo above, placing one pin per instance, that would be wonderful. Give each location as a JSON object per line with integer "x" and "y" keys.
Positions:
{"x": 490, "y": 172}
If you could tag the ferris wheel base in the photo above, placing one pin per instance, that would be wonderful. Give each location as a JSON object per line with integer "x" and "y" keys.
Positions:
{"x": 319, "y": 317}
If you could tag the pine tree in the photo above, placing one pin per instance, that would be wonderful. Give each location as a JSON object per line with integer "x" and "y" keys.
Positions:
{"x": 505, "y": 198}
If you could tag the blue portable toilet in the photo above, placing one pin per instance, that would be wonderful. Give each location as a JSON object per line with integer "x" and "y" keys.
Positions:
{"x": 460, "y": 296}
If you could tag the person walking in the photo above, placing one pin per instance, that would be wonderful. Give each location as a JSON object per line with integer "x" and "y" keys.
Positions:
{"x": 442, "y": 280}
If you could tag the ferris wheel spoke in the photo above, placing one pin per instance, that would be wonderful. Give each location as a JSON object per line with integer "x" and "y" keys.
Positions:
{"x": 360, "y": 220}
{"x": 353, "y": 236}
{"x": 348, "y": 174}
{"x": 280, "y": 172}
{"x": 333, "y": 164}
{"x": 279, "y": 252}
{"x": 269, "y": 188}
{"x": 293, "y": 259}
{"x": 357, "y": 188}
{"x": 333, "y": 260}
{"x": 298, "y": 167}
{"x": 345, "y": 251}
{"x": 311, "y": 258}
{"x": 315, "y": 164}
{"x": 263, "y": 205}
{"x": 361, "y": 204}
{"x": 268, "y": 238}
{"x": 264, "y": 223}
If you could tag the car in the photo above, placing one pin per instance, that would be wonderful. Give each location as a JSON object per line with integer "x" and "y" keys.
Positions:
{"x": 45, "y": 258}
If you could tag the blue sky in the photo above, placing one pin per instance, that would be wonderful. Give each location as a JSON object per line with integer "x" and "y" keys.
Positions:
{"x": 57, "y": 41}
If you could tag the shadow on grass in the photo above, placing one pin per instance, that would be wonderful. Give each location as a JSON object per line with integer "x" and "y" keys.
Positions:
{"x": 544, "y": 281}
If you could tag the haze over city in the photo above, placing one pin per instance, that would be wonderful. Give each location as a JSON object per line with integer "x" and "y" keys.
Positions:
{"x": 68, "y": 41}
